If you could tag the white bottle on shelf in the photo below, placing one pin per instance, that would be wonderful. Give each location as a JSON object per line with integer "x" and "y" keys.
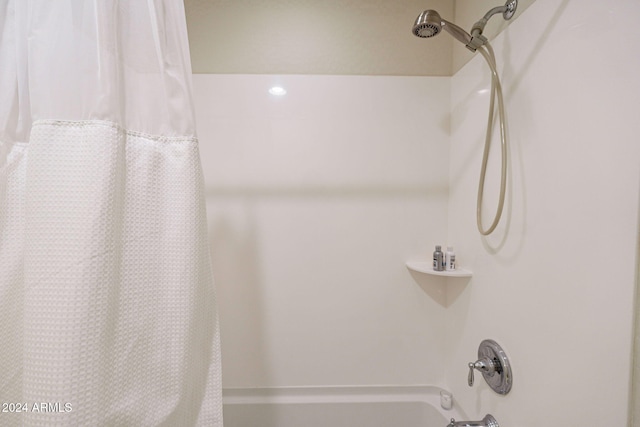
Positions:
{"x": 450, "y": 259}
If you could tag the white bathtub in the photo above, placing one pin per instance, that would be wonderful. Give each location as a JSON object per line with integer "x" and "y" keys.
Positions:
{"x": 370, "y": 406}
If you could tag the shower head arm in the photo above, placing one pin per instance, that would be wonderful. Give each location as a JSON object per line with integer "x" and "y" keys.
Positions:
{"x": 508, "y": 10}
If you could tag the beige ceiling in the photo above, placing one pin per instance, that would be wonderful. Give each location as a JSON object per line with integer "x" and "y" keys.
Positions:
{"x": 341, "y": 37}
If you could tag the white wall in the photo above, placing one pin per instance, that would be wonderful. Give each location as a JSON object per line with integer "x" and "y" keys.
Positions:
{"x": 555, "y": 285}
{"x": 331, "y": 37}
{"x": 315, "y": 202}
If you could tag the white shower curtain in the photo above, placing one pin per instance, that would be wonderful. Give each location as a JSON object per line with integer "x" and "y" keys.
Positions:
{"x": 107, "y": 307}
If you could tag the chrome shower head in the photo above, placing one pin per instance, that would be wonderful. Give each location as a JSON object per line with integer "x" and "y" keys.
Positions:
{"x": 429, "y": 24}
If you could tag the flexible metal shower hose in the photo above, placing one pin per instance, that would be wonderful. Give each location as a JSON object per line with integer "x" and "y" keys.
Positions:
{"x": 496, "y": 91}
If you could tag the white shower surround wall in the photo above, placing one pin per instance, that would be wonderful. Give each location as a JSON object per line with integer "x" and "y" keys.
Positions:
{"x": 317, "y": 199}
{"x": 558, "y": 293}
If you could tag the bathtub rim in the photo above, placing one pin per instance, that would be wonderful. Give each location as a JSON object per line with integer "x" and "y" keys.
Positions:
{"x": 342, "y": 394}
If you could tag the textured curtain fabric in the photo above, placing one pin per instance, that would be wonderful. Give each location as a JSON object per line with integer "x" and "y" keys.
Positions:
{"x": 107, "y": 306}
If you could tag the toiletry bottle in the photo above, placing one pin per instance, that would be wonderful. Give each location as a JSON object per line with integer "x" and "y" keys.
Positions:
{"x": 438, "y": 259}
{"x": 450, "y": 259}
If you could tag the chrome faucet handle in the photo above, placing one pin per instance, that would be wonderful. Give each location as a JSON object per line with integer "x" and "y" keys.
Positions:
{"x": 484, "y": 365}
{"x": 494, "y": 365}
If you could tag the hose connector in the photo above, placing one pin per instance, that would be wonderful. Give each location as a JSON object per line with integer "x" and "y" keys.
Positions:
{"x": 477, "y": 40}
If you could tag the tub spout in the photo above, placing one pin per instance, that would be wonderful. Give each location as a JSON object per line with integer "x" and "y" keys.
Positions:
{"x": 487, "y": 421}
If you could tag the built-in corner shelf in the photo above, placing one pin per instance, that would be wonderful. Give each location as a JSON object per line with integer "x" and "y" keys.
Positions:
{"x": 427, "y": 268}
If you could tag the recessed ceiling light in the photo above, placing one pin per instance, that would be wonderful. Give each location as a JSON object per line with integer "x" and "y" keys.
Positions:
{"x": 277, "y": 91}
